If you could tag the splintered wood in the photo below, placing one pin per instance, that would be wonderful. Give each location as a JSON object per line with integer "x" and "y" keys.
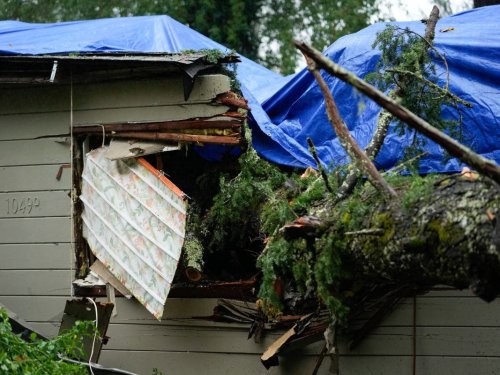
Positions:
{"x": 212, "y": 114}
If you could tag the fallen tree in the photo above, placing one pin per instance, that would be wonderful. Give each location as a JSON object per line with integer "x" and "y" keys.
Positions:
{"x": 381, "y": 246}
{"x": 385, "y": 240}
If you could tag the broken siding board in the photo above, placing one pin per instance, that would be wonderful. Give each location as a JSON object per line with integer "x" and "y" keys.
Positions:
{"x": 46, "y": 329}
{"x": 35, "y": 204}
{"x": 185, "y": 363}
{"x": 160, "y": 92}
{"x": 442, "y": 341}
{"x": 389, "y": 365}
{"x": 34, "y": 178}
{"x": 36, "y": 256}
{"x": 86, "y": 310}
{"x": 35, "y": 230}
{"x": 144, "y": 114}
{"x": 35, "y": 282}
{"x": 35, "y": 152}
{"x": 36, "y": 308}
{"x": 29, "y": 126}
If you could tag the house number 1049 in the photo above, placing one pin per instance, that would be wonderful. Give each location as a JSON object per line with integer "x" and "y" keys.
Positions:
{"x": 21, "y": 205}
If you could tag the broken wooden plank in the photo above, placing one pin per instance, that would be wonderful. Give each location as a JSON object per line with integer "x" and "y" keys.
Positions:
{"x": 270, "y": 356}
{"x": 124, "y": 149}
{"x": 177, "y": 137}
{"x": 158, "y": 126}
{"x": 232, "y": 100}
{"x": 105, "y": 275}
{"x": 76, "y": 310}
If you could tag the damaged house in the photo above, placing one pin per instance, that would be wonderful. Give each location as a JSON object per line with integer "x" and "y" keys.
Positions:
{"x": 111, "y": 145}
{"x": 101, "y": 157}
{"x": 128, "y": 220}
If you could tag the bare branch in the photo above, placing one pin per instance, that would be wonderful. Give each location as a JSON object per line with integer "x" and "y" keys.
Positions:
{"x": 346, "y": 140}
{"x": 444, "y": 92}
{"x": 313, "y": 152}
{"x": 431, "y": 24}
{"x": 483, "y": 165}
{"x": 385, "y": 118}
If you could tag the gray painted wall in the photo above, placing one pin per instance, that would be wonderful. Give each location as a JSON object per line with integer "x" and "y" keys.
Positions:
{"x": 36, "y": 256}
{"x": 456, "y": 333}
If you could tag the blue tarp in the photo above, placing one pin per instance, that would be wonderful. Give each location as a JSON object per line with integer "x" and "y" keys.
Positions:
{"x": 297, "y": 110}
{"x": 127, "y": 34}
{"x": 287, "y": 110}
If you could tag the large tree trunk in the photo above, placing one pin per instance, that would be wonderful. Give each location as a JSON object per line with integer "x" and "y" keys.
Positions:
{"x": 451, "y": 235}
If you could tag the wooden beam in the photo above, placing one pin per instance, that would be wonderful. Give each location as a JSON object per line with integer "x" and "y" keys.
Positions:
{"x": 158, "y": 126}
{"x": 177, "y": 137}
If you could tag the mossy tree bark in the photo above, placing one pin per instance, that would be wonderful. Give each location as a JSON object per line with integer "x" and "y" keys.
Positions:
{"x": 449, "y": 235}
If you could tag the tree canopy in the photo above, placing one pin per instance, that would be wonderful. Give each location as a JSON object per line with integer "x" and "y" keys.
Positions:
{"x": 261, "y": 30}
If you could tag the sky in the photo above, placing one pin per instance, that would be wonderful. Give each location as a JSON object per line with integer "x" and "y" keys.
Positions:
{"x": 411, "y": 10}
{"x": 408, "y": 10}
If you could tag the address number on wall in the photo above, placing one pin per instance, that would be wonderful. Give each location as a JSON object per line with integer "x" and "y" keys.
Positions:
{"x": 25, "y": 205}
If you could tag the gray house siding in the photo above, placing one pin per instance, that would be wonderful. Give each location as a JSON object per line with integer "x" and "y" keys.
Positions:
{"x": 456, "y": 333}
{"x": 36, "y": 256}
{"x": 35, "y": 251}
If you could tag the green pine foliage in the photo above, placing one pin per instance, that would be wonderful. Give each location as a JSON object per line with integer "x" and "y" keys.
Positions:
{"x": 239, "y": 202}
{"x": 41, "y": 357}
{"x": 408, "y": 66}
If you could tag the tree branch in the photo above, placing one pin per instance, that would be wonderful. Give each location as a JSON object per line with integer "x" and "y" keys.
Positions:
{"x": 483, "y": 165}
{"x": 385, "y": 118}
{"x": 430, "y": 29}
{"x": 445, "y": 92}
{"x": 313, "y": 152}
{"x": 346, "y": 140}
